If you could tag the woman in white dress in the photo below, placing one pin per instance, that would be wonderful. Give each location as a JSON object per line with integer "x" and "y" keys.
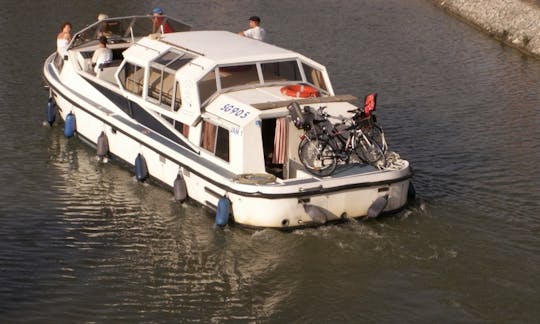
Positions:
{"x": 63, "y": 38}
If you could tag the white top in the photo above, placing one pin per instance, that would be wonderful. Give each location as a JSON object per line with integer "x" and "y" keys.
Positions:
{"x": 220, "y": 47}
{"x": 257, "y": 33}
{"x": 102, "y": 55}
{"x": 61, "y": 46}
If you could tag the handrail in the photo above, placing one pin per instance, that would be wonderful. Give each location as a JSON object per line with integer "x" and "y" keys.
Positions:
{"x": 125, "y": 26}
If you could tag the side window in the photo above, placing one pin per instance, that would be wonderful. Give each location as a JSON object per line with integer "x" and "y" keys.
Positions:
{"x": 177, "y": 97}
{"x": 232, "y": 76}
{"x": 207, "y": 86}
{"x": 216, "y": 140}
{"x": 132, "y": 78}
{"x": 314, "y": 77}
{"x": 161, "y": 86}
{"x": 222, "y": 144}
{"x": 182, "y": 128}
{"x": 281, "y": 71}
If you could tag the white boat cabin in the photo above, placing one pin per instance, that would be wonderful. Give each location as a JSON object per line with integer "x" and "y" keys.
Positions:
{"x": 217, "y": 92}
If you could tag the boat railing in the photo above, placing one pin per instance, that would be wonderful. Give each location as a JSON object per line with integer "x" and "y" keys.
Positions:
{"x": 126, "y": 29}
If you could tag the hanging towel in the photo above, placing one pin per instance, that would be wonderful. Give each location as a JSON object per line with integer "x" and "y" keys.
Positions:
{"x": 280, "y": 141}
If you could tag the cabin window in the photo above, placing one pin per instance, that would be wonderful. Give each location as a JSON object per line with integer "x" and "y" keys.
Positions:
{"x": 281, "y": 71}
{"x": 177, "y": 97}
{"x": 182, "y": 128}
{"x": 132, "y": 78}
{"x": 240, "y": 75}
{"x": 314, "y": 77}
{"x": 173, "y": 60}
{"x": 179, "y": 126}
{"x": 179, "y": 62}
{"x": 207, "y": 86}
{"x": 161, "y": 87}
{"x": 167, "y": 58}
{"x": 215, "y": 139}
{"x": 168, "y": 119}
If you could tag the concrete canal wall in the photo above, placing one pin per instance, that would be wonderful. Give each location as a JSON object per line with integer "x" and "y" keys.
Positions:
{"x": 514, "y": 22}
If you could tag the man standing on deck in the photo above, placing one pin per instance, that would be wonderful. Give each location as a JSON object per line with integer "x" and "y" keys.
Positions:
{"x": 255, "y": 31}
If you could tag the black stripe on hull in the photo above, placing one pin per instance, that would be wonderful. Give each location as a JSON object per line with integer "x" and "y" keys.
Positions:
{"x": 136, "y": 112}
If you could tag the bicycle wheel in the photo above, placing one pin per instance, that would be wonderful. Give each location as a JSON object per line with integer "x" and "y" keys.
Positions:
{"x": 369, "y": 151}
{"x": 376, "y": 133}
{"x": 317, "y": 156}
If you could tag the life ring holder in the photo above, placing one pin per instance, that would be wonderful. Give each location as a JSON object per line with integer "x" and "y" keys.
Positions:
{"x": 300, "y": 91}
{"x": 255, "y": 178}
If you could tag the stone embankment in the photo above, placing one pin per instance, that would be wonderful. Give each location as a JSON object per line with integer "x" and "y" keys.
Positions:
{"x": 514, "y": 22}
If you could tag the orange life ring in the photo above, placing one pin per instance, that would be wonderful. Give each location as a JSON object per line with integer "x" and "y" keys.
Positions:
{"x": 300, "y": 91}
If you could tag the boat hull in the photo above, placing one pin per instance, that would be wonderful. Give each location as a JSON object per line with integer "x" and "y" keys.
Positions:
{"x": 309, "y": 201}
{"x": 295, "y": 212}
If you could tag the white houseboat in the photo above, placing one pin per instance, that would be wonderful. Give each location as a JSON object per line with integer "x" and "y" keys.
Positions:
{"x": 205, "y": 114}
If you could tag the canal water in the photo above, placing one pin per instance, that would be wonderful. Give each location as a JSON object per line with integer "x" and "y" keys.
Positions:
{"x": 84, "y": 242}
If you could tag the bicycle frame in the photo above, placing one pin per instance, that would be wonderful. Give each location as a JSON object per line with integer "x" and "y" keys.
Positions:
{"x": 343, "y": 142}
{"x": 324, "y": 143}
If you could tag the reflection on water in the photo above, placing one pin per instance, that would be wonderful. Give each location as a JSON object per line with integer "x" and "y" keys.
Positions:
{"x": 84, "y": 241}
{"x": 126, "y": 243}
{"x": 117, "y": 225}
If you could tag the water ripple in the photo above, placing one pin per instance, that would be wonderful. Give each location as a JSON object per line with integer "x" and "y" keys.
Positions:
{"x": 83, "y": 241}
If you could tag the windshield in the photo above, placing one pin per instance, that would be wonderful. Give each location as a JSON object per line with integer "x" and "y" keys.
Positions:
{"x": 227, "y": 78}
{"x": 122, "y": 29}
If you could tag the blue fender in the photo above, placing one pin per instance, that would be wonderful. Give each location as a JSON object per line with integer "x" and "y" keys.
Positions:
{"x": 70, "y": 126}
{"x": 222, "y": 212}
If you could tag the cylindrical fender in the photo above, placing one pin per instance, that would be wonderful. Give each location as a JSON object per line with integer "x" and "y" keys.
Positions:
{"x": 70, "y": 125}
{"x": 377, "y": 206}
{"x": 141, "y": 170}
{"x": 51, "y": 111}
{"x": 179, "y": 188}
{"x": 102, "y": 145}
{"x": 222, "y": 211}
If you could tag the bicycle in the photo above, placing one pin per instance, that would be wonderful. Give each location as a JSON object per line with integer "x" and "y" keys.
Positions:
{"x": 323, "y": 143}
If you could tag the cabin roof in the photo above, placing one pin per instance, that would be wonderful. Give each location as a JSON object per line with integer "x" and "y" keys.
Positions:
{"x": 224, "y": 47}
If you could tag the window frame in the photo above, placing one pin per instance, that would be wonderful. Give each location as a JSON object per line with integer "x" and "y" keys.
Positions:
{"x": 221, "y": 148}
{"x": 123, "y": 77}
